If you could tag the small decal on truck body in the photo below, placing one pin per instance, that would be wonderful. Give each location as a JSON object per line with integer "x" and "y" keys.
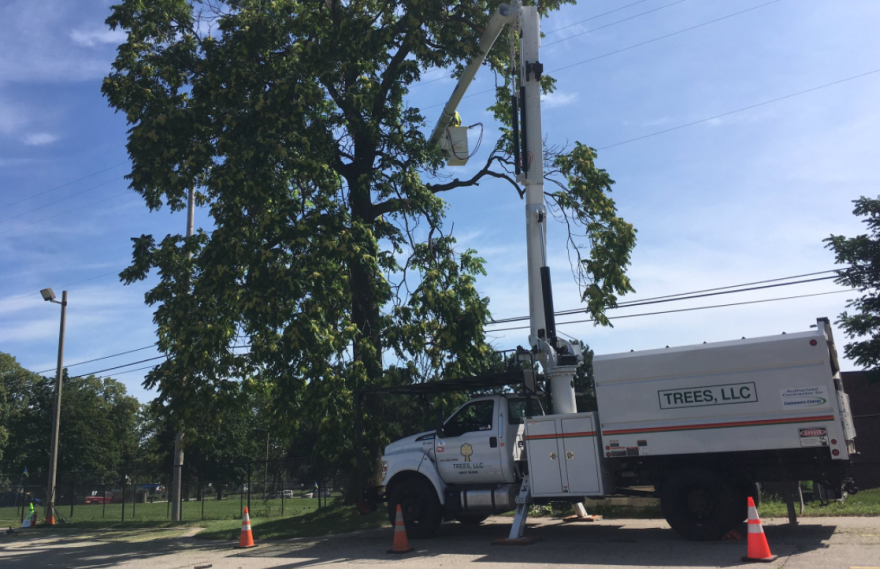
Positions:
{"x": 795, "y": 397}
{"x": 728, "y": 394}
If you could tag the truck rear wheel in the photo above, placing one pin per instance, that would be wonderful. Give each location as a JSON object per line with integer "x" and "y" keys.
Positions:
{"x": 699, "y": 504}
{"x": 422, "y": 511}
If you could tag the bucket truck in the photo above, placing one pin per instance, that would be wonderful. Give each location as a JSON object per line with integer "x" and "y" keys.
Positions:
{"x": 697, "y": 426}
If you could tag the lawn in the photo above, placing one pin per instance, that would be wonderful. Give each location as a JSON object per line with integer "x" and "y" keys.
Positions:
{"x": 210, "y": 509}
{"x": 332, "y": 519}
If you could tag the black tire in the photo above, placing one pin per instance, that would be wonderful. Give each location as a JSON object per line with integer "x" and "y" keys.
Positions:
{"x": 471, "y": 519}
{"x": 701, "y": 505}
{"x": 422, "y": 511}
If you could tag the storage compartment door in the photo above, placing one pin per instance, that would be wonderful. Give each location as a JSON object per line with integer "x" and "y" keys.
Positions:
{"x": 580, "y": 456}
{"x": 544, "y": 459}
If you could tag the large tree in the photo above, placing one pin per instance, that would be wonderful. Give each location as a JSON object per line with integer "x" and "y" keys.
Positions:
{"x": 329, "y": 255}
{"x": 861, "y": 255}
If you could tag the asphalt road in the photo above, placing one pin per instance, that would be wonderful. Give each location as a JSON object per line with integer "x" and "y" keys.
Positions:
{"x": 826, "y": 543}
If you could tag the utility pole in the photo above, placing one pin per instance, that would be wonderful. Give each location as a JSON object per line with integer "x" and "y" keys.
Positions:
{"x": 49, "y": 296}
{"x": 177, "y": 474}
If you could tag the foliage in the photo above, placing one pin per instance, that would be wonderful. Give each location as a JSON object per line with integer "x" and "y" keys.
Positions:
{"x": 861, "y": 255}
{"x": 330, "y": 259}
{"x": 99, "y": 421}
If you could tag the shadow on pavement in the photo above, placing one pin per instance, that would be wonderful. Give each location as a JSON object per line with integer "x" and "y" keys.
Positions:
{"x": 608, "y": 542}
{"x": 91, "y": 549}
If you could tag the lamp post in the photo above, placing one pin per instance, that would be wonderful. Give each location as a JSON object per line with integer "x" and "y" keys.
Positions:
{"x": 49, "y": 296}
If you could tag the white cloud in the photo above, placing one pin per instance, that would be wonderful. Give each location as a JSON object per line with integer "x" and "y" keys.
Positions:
{"x": 93, "y": 37}
{"x": 558, "y": 99}
{"x": 37, "y": 45}
{"x": 39, "y": 138}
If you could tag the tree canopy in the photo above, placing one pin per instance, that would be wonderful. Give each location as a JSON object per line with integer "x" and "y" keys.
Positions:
{"x": 99, "y": 421}
{"x": 861, "y": 255}
{"x": 329, "y": 258}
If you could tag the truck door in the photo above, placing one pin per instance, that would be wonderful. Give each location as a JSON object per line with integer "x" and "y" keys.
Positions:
{"x": 469, "y": 452}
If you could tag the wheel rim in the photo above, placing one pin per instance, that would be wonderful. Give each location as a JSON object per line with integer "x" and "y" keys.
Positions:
{"x": 412, "y": 508}
{"x": 700, "y": 503}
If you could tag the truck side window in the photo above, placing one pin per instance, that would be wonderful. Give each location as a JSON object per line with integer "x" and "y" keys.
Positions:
{"x": 517, "y": 409}
{"x": 476, "y": 416}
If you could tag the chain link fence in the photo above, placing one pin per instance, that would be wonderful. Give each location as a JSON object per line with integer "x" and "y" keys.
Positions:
{"x": 268, "y": 488}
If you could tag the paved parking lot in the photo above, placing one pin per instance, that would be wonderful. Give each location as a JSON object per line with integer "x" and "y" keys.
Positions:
{"x": 826, "y": 543}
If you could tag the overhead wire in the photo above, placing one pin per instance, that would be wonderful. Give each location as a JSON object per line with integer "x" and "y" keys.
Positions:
{"x": 686, "y": 296}
{"x": 66, "y": 286}
{"x": 50, "y": 204}
{"x": 92, "y": 175}
{"x": 422, "y": 83}
{"x": 608, "y": 25}
{"x": 615, "y": 52}
{"x": 681, "y": 310}
{"x": 68, "y": 212}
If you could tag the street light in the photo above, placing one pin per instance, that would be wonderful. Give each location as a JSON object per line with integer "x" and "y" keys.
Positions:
{"x": 49, "y": 296}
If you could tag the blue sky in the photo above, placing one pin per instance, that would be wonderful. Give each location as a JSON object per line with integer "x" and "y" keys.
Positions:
{"x": 740, "y": 198}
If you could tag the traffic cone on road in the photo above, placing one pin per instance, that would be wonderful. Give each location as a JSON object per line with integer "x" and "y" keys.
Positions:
{"x": 401, "y": 543}
{"x": 50, "y": 516}
{"x": 759, "y": 550}
{"x": 247, "y": 537}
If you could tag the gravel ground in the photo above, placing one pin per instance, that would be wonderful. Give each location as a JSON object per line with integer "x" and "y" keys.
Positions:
{"x": 826, "y": 543}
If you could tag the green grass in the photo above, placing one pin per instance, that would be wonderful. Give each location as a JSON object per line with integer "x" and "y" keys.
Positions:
{"x": 333, "y": 519}
{"x": 159, "y": 511}
{"x": 865, "y": 503}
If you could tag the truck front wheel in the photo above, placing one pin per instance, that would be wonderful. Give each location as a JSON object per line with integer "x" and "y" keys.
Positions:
{"x": 422, "y": 511}
{"x": 700, "y": 505}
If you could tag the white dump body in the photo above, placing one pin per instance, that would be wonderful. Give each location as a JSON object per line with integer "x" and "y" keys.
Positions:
{"x": 745, "y": 395}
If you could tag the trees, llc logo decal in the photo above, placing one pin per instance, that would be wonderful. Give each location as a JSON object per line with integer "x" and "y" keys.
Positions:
{"x": 803, "y": 397}
{"x": 466, "y": 451}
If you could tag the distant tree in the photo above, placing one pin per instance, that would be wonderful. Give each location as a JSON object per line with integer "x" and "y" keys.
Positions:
{"x": 861, "y": 255}
{"x": 99, "y": 421}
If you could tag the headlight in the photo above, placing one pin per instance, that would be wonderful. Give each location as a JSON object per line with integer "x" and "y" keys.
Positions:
{"x": 384, "y": 468}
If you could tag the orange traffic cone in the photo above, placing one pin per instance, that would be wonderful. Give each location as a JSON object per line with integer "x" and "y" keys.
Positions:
{"x": 247, "y": 537}
{"x": 401, "y": 543}
{"x": 50, "y": 517}
{"x": 758, "y": 548}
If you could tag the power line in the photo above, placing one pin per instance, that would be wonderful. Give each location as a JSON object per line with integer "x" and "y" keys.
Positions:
{"x": 707, "y": 119}
{"x": 690, "y": 295}
{"x": 64, "y": 213}
{"x": 117, "y": 367}
{"x": 423, "y": 83}
{"x": 66, "y": 286}
{"x": 93, "y": 174}
{"x": 50, "y": 204}
{"x": 610, "y": 53}
{"x": 594, "y": 17}
{"x": 615, "y": 23}
{"x": 101, "y": 358}
{"x": 663, "y": 37}
{"x": 682, "y": 310}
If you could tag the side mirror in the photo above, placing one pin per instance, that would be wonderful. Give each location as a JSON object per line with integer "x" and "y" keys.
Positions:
{"x": 440, "y": 432}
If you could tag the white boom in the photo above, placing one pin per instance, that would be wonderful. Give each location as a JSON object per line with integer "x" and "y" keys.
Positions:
{"x": 558, "y": 358}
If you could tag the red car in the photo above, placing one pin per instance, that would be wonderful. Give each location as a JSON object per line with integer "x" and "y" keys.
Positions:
{"x": 108, "y": 498}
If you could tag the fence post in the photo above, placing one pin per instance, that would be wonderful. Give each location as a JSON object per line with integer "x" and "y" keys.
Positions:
{"x": 123, "y": 495}
{"x": 135, "y": 497}
{"x": 104, "y": 500}
{"x": 249, "y": 485}
{"x": 72, "y": 492}
{"x": 202, "y": 491}
{"x": 282, "y": 492}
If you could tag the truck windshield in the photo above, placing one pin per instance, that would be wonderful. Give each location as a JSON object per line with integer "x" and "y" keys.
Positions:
{"x": 520, "y": 408}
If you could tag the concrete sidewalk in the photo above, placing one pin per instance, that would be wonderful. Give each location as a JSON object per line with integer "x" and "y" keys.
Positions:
{"x": 827, "y": 543}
